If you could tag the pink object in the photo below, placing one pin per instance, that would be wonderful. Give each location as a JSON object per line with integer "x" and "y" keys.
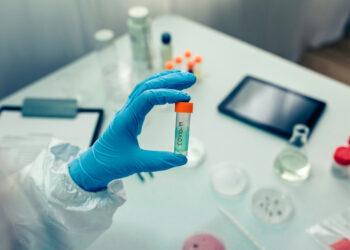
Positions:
{"x": 203, "y": 242}
{"x": 343, "y": 244}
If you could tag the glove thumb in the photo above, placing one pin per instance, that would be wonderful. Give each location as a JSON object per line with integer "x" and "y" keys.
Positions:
{"x": 161, "y": 160}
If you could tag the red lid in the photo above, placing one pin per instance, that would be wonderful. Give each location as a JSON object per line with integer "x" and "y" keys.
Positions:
{"x": 169, "y": 65}
{"x": 190, "y": 65}
{"x": 184, "y": 107}
{"x": 188, "y": 53}
{"x": 342, "y": 156}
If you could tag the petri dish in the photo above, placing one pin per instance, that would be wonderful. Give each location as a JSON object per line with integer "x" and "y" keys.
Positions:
{"x": 203, "y": 241}
{"x": 229, "y": 180}
{"x": 195, "y": 153}
{"x": 272, "y": 206}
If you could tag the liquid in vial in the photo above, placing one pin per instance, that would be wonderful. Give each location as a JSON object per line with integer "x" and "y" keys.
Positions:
{"x": 292, "y": 163}
{"x": 182, "y": 130}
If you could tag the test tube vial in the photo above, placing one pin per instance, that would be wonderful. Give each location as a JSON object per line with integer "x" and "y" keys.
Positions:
{"x": 198, "y": 67}
{"x": 182, "y": 130}
{"x": 187, "y": 55}
{"x": 169, "y": 65}
{"x": 190, "y": 66}
{"x": 166, "y": 51}
{"x": 178, "y": 62}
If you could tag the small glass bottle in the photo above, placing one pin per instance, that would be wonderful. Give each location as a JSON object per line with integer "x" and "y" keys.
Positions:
{"x": 178, "y": 63}
{"x": 116, "y": 85}
{"x": 292, "y": 164}
{"x": 166, "y": 50}
{"x": 169, "y": 65}
{"x": 198, "y": 67}
{"x": 182, "y": 130}
{"x": 139, "y": 27}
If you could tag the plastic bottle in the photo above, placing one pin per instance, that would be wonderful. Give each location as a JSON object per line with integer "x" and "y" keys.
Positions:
{"x": 139, "y": 26}
{"x": 166, "y": 51}
{"x": 116, "y": 89}
{"x": 341, "y": 162}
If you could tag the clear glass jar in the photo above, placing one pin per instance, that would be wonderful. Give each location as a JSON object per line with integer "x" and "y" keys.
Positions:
{"x": 115, "y": 75}
{"x": 292, "y": 163}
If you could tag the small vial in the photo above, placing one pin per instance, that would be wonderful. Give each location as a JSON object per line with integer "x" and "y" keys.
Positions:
{"x": 139, "y": 27}
{"x": 178, "y": 63}
{"x": 341, "y": 163}
{"x": 187, "y": 54}
{"x": 198, "y": 67}
{"x": 166, "y": 51}
{"x": 182, "y": 130}
{"x": 190, "y": 66}
{"x": 169, "y": 65}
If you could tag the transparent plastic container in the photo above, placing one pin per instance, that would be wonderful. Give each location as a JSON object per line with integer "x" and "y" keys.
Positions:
{"x": 182, "y": 129}
{"x": 115, "y": 76}
{"x": 228, "y": 179}
{"x": 272, "y": 206}
{"x": 139, "y": 27}
{"x": 341, "y": 162}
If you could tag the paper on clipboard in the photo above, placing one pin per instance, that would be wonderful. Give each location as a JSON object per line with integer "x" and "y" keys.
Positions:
{"x": 22, "y": 138}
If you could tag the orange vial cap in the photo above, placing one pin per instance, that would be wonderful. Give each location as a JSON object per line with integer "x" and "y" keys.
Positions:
{"x": 198, "y": 59}
{"x": 188, "y": 53}
{"x": 169, "y": 65}
{"x": 190, "y": 64}
{"x": 178, "y": 59}
{"x": 184, "y": 107}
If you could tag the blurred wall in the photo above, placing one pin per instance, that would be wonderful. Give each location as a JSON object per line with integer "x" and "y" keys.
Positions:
{"x": 37, "y": 37}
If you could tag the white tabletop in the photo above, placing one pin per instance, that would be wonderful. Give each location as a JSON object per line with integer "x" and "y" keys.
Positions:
{"x": 163, "y": 212}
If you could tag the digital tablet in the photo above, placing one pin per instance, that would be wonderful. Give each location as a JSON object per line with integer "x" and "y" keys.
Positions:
{"x": 271, "y": 107}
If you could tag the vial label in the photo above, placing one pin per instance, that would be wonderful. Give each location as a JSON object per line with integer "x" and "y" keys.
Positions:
{"x": 181, "y": 138}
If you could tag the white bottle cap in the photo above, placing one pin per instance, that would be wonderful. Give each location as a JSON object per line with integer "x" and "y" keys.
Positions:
{"x": 138, "y": 13}
{"x": 104, "y": 35}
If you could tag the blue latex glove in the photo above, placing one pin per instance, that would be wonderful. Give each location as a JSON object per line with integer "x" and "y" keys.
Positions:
{"x": 117, "y": 153}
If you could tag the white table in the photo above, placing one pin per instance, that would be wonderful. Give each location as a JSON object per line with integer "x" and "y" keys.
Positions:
{"x": 163, "y": 212}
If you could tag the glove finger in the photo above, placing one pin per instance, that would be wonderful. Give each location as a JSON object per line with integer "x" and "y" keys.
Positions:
{"x": 139, "y": 86}
{"x": 161, "y": 160}
{"x": 145, "y": 102}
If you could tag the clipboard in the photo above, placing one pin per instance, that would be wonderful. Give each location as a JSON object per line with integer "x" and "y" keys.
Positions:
{"x": 26, "y": 130}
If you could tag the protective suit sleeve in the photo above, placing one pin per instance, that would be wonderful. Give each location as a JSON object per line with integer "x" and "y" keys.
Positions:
{"x": 65, "y": 216}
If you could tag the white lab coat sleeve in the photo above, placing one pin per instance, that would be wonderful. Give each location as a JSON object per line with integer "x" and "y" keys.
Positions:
{"x": 69, "y": 217}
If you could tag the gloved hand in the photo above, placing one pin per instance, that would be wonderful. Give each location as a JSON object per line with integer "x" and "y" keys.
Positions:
{"x": 117, "y": 153}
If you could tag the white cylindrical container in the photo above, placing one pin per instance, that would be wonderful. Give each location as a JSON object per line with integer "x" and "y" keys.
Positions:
{"x": 166, "y": 51}
{"x": 182, "y": 129}
{"x": 115, "y": 76}
{"x": 341, "y": 163}
{"x": 106, "y": 50}
{"x": 139, "y": 26}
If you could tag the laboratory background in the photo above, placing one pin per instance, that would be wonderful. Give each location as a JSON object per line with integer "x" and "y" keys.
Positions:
{"x": 254, "y": 94}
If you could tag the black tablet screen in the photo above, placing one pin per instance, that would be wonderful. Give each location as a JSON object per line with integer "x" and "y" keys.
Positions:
{"x": 272, "y": 107}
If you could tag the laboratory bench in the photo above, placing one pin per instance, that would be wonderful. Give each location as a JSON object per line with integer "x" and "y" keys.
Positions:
{"x": 162, "y": 212}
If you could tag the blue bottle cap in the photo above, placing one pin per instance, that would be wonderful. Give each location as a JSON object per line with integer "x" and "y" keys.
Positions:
{"x": 166, "y": 38}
